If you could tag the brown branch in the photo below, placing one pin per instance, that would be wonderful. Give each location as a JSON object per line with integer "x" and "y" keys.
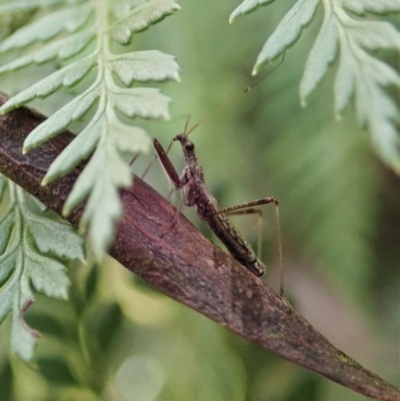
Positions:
{"x": 186, "y": 266}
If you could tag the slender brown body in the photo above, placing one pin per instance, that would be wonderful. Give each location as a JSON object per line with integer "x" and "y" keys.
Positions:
{"x": 196, "y": 193}
{"x": 227, "y": 233}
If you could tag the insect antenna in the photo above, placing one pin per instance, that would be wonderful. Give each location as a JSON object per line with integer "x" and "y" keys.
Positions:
{"x": 238, "y": 96}
{"x": 281, "y": 270}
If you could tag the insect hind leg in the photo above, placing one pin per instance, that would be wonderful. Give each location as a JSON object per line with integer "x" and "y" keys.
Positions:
{"x": 248, "y": 208}
{"x": 251, "y": 210}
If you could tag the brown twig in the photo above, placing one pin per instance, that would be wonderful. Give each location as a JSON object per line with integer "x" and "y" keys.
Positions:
{"x": 186, "y": 266}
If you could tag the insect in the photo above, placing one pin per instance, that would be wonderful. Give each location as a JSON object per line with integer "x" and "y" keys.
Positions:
{"x": 195, "y": 193}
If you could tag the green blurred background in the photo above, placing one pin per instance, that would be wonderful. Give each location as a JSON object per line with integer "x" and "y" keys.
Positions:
{"x": 117, "y": 339}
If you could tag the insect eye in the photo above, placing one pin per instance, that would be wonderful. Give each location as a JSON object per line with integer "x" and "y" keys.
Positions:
{"x": 189, "y": 146}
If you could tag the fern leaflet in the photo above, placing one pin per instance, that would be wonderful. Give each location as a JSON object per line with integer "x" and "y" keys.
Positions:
{"x": 359, "y": 75}
{"x": 33, "y": 246}
{"x": 80, "y": 36}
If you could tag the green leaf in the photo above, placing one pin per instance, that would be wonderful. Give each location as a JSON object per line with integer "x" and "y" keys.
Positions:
{"x": 56, "y": 371}
{"x": 45, "y": 323}
{"x": 345, "y": 78}
{"x": 133, "y": 140}
{"x": 6, "y": 226}
{"x": 371, "y": 35}
{"x": 379, "y": 7}
{"x": 48, "y": 234}
{"x": 82, "y": 33}
{"x": 104, "y": 323}
{"x": 26, "y": 5}
{"x": 91, "y": 284}
{"x": 67, "y": 76}
{"x": 62, "y": 118}
{"x": 287, "y": 32}
{"x": 77, "y": 150}
{"x": 6, "y": 380}
{"x": 61, "y": 49}
{"x": 150, "y": 65}
{"x": 360, "y": 75}
{"x": 8, "y": 262}
{"x": 103, "y": 207}
{"x": 369, "y": 93}
{"x": 69, "y": 19}
{"x": 105, "y": 172}
{"x": 48, "y": 276}
{"x": 3, "y": 185}
{"x": 141, "y": 17}
{"x": 85, "y": 181}
{"x": 8, "y": 293}
{"x": 105, "y": 197}
{"x": 33, "y": 255}
{"x": 23, "y": 338}
{"x": 322, "y": 54}
{"x": 121, "y": 8}
{"x": 141, "y": 102}
{"x": 247, "y": 7}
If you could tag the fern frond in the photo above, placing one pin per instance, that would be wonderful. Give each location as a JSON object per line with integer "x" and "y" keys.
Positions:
{"x": 68, "y": 20}
{"x": 28, "y": 5}
{"x": 379, "y": 7}
{"x": 80, "y": 36}
{"x": 60, "y": 49}
{"x": 359, "y": 73}
{"x": 141, "y": 17}
{"x": 247, "y": 7}
{"x": 33, "y": 249}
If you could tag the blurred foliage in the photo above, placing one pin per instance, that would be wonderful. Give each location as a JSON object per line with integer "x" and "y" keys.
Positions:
{"x": 120, "y": 340}
{"x": 35, "y": 247}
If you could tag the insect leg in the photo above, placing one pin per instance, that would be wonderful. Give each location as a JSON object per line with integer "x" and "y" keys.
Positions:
{"x": 167, "y": 164}
{"x": 241, "y": 209}
{"x": 251, "y": 210}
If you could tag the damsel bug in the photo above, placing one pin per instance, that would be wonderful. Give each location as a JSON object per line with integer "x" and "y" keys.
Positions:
{"x": 195, "y": 193}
